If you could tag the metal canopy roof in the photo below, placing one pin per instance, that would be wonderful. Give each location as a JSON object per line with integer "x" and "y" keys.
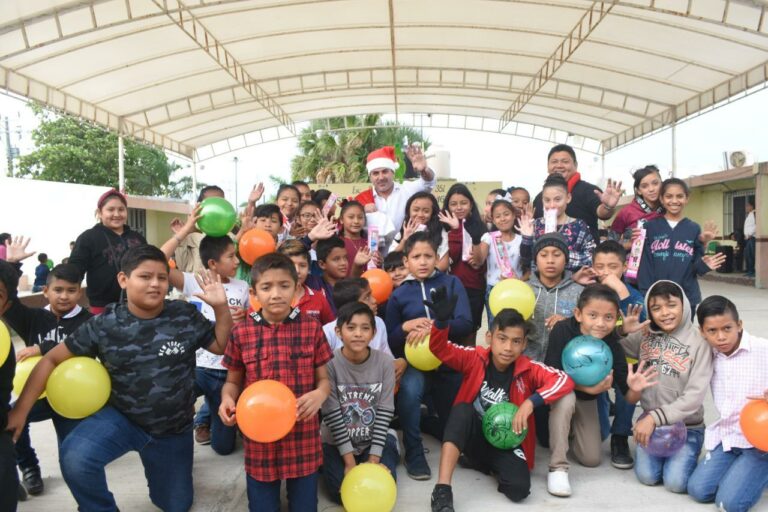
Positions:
{"x": 209, "y": 76}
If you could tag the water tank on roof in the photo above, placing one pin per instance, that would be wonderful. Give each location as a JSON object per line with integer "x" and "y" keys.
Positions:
{"x": 439, "y": 160}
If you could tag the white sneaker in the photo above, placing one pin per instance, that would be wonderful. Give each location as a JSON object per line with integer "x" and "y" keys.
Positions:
{"x": 558, "y": 484}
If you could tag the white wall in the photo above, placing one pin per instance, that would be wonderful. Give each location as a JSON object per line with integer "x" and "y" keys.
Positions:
{"x": 51, "y": 214}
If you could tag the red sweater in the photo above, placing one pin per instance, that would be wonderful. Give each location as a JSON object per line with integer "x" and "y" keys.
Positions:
{"x": 314, "y": 304}
{"x": 470, "y": 277}
{"x": 531, "y": 380}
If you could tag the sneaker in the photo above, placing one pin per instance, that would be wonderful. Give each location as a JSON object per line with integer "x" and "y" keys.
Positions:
{"x": 417, "y": 468}
{"x": 21, "y": 493}
{"x": 203, "y": 434}
{"x": 33, "y": 482}
{"x": 442, "y": 498}
{"x": 558, "y": 484}
{"x": 620, "y": 456}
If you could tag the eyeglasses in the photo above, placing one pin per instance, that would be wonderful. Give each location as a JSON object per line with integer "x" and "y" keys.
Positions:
{"x": 307, "y": 216}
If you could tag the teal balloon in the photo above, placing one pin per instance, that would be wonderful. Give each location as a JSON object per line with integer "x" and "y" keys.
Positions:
{"x": 588, "y": 360}
{"x": 218, "y": 217}
{"x": 497, "y": 426}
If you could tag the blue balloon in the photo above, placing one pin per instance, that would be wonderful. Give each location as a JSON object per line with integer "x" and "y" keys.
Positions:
{"x": 588, "y": 360}
{"x": 666, "y": 440}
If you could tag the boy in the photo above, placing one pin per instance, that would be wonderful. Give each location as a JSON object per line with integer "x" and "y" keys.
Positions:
{"x": 41, "y": 273}
{"x": 574, "y": 420}
{"x": 332, "y": 259}
{"x": 684, "y": 364}
{"x": 733, "y": 473}
{"x": 308, "y": 300}
{"x": 305, "y": 193}
{"x": 609, "y": 263}
{"x": 499, "y": 373}
{"x": 9, "y": 478}
{"x": 219, "y": 257}
{"x": 409, "y": 320}
{"x": 357, "y": 413}
{"x": 147, "y": 345}
{"x": 394, "y": 266}
{"x": 279, "y": 342}
{"x": 268, "y": 217}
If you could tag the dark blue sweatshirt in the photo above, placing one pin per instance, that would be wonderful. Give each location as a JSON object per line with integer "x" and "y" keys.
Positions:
{"x": 407, "y": 303}
{"x": 674, "y": 255}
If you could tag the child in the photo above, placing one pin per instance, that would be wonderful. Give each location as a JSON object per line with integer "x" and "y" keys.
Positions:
{"x": 308, "y": 300}
{"x": 520, "y": 199}
{"x": 41, "y": 273}
{"x": 609, "y": 264}
{"x": 307, "y": 217}
{"x": 684, "y": 364}
{"x": 287, "y": 199}
{"x": 733, "y": 473}
{"x": 645, "y": 206}
{"x": 408, "y": 320}
{"x": 673, "y": 250}
{"x": 9, "y": 478}
{"x": 355, "y": 237}
{"x": 187, "y": 254}
{"x": 218, "y": 256}
{"x": 332, "y": 259}
{"x": 500, "y": 249}
{"x": 42, "y": 329}
{"x": 422, "y": 214}
{"x": 466, "y": 230}
{"x": 305, "y": 193}
{"x": 492, "y": 196}
{"x": 395, "y": 267}
{"x": 147, "y": 345}
{"x": 269, "y": 218}
{"x": 357, "y": 413}
{"x": 574, "y": 420}
{"x": 498, "y": 373}
{"x": 98, "y": 250}
{"x": 281, "y": 343}
{"x": 555, "y": 197}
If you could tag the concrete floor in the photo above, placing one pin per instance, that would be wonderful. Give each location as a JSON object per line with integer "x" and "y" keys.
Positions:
{"x": 220, "y": 481}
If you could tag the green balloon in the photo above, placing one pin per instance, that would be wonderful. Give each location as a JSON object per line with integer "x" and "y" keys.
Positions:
{"x": 218, "y": 216}
{"x": 497, "y": 426}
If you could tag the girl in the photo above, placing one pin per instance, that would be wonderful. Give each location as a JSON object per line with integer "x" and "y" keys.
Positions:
{"x": 352, "y": 231}
{"x": 673, "y": 249}
{"x": 466, "y": 230}
{"x": 98, "y": 250}
{"x": 520, "y": 198}
{"x": 489, "y": 199}
{"x": 646, "y": 206}
{"x": 555, "y": 198}
{"x": 306, "y": 219}
{"x": 421, "y": 214}
{"x": 288, "y": 199}
{"x": 321, "y": 197}
{"x": 501, "y": 249}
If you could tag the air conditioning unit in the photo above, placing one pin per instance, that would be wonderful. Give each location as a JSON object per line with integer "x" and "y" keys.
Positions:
{"x": 739, "y": 159}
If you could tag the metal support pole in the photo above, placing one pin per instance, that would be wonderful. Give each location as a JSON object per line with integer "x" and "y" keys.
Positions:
{"x": 120, "y": 164}
{"x": 674, "y": 149}
{"x": 235, "y": 159}
{"x": 602, "y": 168}
{"x": 194, "y": 177}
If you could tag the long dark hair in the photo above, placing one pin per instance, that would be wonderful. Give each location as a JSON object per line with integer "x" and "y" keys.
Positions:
{"x": 474, "y": 222}
{"x": 434, "y": 226}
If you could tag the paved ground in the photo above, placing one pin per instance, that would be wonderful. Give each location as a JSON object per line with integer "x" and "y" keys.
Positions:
{"x": 220, "y": 481}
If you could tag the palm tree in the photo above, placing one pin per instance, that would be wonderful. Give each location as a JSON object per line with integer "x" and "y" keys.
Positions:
{"x": 338, "y": 155}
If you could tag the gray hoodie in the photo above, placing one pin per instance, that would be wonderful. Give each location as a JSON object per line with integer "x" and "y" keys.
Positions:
{"x": 561, "y": 299}
{"x": 684, "y": 362}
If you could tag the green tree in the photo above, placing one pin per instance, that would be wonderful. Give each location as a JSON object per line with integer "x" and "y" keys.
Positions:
{"x": 338, "y": 156}
{"x": 71, "y": 150}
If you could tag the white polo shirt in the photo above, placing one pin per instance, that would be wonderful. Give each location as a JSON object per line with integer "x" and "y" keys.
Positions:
{"x": 394, "y": 205}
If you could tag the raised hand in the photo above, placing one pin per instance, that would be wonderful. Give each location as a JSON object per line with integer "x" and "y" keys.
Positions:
{"x": 642, "y": 378}
{"x": 441, "y": 303}
{"x": 363, "y": 256}
{"x": 585, "y": 276}
{"x": 16, "y": 249}
{"x": 213, "y": 291}
{"x": 714, "y": 261}
{"x": 708, "y": 232}
{"x": 447, "y": 217}
{"x": 176, "y": 225}
{"x": 525, "y": 222}
{"x": 631, "y": 322}
{"x": 256, "y": 193}
{"x": 417, "y": 158}
{"x": 410, "y": 229}
{"x": 190, "y": 226}
{"x": 297, "y": 230}
{"x": 611, "y": 195}
{"x": 323, "y": 230}
{"x": 246, "y": 219}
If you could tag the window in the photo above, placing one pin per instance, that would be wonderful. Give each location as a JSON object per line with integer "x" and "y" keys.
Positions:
{"x": 734, "y": 210}
{"x": 137, "y": 220}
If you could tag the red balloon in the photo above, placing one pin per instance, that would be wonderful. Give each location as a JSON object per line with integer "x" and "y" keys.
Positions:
{"x": 380, "y": 282}
{"x": 254, "y": 244}
{"x": 266, "y": 411}
{"x": 754, "y": 423}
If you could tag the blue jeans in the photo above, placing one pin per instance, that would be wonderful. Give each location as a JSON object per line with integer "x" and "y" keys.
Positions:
{"x": 488, "y": 306}
{"x": 734, "y": 480}
{"x": 622, "y": 420}
{"x": 26, "y": 457}
{"x": 749, "y": 256}
{"x": 442, "y": 384}
{"x": 107, "y": 436}
{"x": 672, "y": 471}
{"x": 209, "y": 382}
{"x": 265, "y": 496}
{"x": 333, "y": 464}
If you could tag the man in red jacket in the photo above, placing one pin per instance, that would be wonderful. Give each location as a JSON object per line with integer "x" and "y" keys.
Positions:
{"x": 492, "y": 375}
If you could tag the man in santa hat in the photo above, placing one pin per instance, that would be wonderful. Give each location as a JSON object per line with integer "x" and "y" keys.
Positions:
{"x": 386, "y": 196}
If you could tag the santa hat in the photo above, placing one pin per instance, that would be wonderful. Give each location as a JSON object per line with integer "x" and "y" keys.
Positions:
{"x": 382, "y": 158}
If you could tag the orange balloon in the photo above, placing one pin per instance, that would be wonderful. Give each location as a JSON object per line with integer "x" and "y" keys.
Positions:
{"x": 380, "y": 282}
{"x": 754, "y": 423}
{"x": 172, "y": 263}
{"x": 254, "y": 244}
{"x": 255, "y": 304}
{"x": 266, "y": 411}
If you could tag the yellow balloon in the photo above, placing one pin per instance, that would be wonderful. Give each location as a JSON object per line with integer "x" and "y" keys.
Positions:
{"x": 421, "y": 357}
{"x": 78, "y": 387}
{"x": 368, "y": 488}
{"x": 5, "y": 343}
{"x": 512, "y": 294}
{"x": 23, "y": 369}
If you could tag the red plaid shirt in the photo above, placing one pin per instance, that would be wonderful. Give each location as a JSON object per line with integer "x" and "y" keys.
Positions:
{"x": 287, "y": 352}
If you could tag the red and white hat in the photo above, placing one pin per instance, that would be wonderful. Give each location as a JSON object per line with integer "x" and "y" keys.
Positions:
{"x": 382, "y": 158}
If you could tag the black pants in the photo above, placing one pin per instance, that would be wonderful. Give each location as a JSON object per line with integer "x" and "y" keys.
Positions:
{"x": 476, "y": 307}
{"x": 465, "y": 430}
{"x": 9, "y": 479}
